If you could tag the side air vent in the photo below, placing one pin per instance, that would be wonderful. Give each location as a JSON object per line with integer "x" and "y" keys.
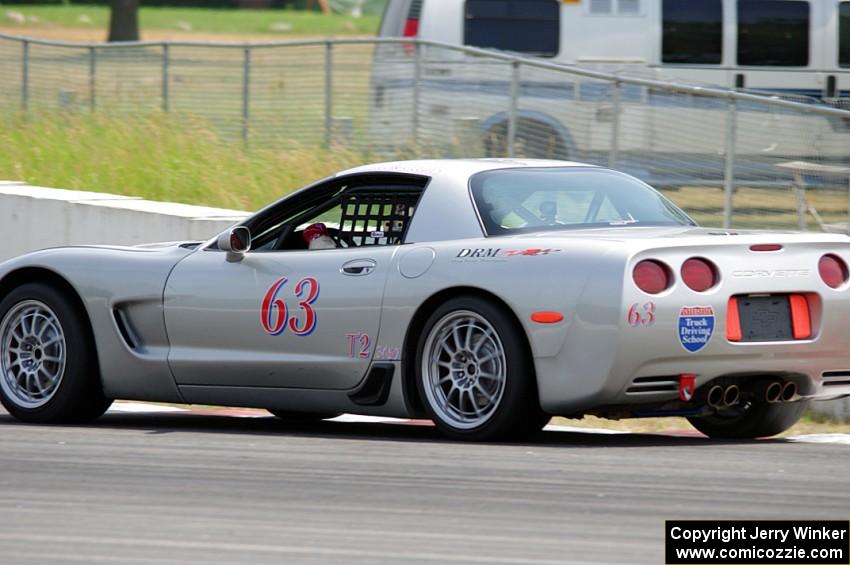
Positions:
{"x": 376, "y": 387}
{"x": 654, "y": 385}
{"x": 836, "y": 378}
{"x": 125, "y": 329}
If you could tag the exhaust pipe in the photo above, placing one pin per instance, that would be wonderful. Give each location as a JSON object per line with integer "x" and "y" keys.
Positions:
{"x": 731, "y": 395}
{"x": 714, "y": 398}
{"x": 789, "y": 391}
{"x": 773, "y": 393}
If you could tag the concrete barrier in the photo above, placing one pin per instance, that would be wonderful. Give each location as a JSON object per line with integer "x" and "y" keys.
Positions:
{"x": 36, "y": 217}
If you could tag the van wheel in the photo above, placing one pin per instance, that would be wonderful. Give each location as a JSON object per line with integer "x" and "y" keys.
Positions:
{"x": 48, "y": 364}
{"x": 752, "y": 420}
{"x": 474, "y": 373}
{"x": 533, "y": 139}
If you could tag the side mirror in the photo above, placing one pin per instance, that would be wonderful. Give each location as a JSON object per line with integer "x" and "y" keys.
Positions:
{"x": 236, "y": 242}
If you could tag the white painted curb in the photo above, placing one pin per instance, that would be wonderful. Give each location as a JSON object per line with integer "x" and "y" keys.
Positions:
{"x": 36, "y": 217}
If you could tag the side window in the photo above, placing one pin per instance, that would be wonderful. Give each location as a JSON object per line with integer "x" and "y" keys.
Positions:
{"x": 773, "y": 33}
{"x": 524, "y": 26}
{"x": 692, "y": 32}
{"x": 352, "y": 216}
{"x": 844, "y": 34}
{"x": 376, "y": 217}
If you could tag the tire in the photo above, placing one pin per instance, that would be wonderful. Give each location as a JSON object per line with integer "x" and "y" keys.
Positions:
{"x": 757, "y": 419}
{"x": 303, "y": 417}
{"x": 479, "y": 386}
{"x": 48, "y": 363}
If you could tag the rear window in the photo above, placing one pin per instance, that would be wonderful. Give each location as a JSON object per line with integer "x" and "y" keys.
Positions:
{"x": 692, "y": 32}
{"x": 524, "y": 26}
{"x": 773, "y": 33}
{"x": 527, "y": 200}
{"x": 844, "y": 34}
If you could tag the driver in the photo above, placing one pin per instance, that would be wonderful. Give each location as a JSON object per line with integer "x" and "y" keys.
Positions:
{"x": 549, "y": 212}
{"x": 316, "y": 236}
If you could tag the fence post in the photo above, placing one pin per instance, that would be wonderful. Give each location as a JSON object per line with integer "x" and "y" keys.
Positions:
{"x": 512, "y": 112}
{"x": 729, "y": 173}
{"x": 614, "y": 154}
{"x": 92, "y": 78}
{"x": 417, "y": 92}
{"x": 329, "y": 85}
{"x": 246, "y": 94}
{"x": 166, "y": 62}
{"x": 25, "y": 75}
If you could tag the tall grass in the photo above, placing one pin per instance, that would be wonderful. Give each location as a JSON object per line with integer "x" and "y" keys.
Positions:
{"x": 156, "y": 156}
{"x": 200, "y": 20}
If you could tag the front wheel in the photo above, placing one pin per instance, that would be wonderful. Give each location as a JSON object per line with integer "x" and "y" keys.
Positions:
{"x": 752, "y": 420}
{"x": 48, "y": 365}
{"x": 474, "y": 373}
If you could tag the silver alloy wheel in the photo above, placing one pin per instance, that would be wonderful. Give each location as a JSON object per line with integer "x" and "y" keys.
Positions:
{"x": 464, "y": 369}
{"x": 32, "y": 354}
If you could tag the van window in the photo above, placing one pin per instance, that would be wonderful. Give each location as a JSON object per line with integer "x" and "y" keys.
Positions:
{"x": 692, "y": 32}
{"x": 524, "y": 26}
{"x": 606, "y": 8}
{"x": 773, "y": 33}
{"x": 844, "y": 34}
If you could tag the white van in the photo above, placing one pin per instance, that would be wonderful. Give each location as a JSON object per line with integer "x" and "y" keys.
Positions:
{"x": 797, "y": 47}
{"x": 786, "y": 46}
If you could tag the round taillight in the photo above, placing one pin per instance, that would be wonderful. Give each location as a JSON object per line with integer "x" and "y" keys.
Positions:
{"x": 833, "y": 270}
{"x": 651, "y": 276}
{"x": 699, "y": 274}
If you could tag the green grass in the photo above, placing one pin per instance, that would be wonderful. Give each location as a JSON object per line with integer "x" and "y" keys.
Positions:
{"x": 201, "y": 20}
{"x": 156, "y": 156}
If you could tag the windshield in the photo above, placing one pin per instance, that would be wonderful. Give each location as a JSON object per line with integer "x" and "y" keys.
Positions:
{"x": 530, "y": 199}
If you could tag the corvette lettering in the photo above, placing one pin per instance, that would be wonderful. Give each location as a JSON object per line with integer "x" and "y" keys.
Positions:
{"x": 768, "y": 273}
{"x": 274, "y": 313}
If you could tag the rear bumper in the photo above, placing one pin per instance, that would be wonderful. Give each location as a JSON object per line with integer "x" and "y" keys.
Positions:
{"x": 819, "y": 373}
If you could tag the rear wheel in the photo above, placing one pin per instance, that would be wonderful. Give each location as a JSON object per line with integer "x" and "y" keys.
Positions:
{"x": 48, "y": 365}
{"x": 474, "y": 373}
{"x": 751, "y": 420}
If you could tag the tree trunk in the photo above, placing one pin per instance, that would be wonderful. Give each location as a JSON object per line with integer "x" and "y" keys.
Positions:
{"x": 124, "y": 20}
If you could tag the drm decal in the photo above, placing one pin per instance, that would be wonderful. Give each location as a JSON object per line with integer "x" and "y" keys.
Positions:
{"x": 274, "y": 313}
{"x": 696, "y": 326}
{"x": 469, "y": 255}
{"x": 358, "y": 345}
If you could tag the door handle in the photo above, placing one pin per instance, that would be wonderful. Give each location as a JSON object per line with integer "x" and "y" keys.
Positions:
{"x": 358, "y": 267}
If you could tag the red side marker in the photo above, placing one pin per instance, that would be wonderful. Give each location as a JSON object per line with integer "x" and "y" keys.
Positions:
{"x": 547, "y": 317}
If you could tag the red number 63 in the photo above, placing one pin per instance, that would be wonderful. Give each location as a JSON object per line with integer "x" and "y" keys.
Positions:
{"x": 274, "y": 314}
{"x": 641, "y": 314}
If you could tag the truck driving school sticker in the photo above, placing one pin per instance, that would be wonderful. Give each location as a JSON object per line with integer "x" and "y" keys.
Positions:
{"x": 696, "y": 325}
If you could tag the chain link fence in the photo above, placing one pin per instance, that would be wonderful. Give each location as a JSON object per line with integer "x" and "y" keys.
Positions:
{"x": 731, "y": 159}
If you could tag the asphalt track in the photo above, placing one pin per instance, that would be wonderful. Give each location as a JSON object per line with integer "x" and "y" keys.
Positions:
{"x": 193, "y": 488}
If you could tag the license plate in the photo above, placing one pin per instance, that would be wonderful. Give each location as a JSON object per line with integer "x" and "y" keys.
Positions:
{"x": 765, "y": 318}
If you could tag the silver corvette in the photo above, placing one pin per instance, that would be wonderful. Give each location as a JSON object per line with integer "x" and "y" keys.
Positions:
{"x": 486, "y": 295}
